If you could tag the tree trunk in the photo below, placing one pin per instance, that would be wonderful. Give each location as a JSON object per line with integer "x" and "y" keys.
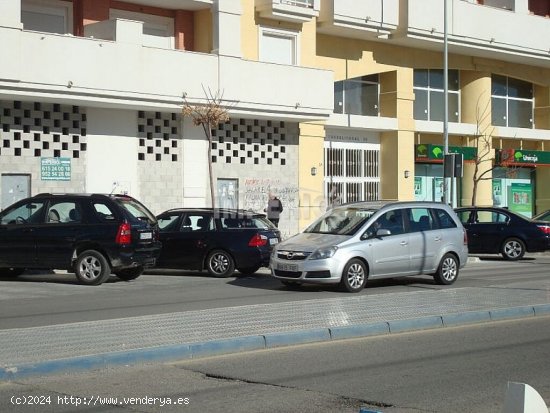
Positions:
{"x": 474, "y": 192}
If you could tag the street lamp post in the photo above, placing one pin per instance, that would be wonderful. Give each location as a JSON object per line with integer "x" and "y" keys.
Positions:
{"x": 447, "y": 196}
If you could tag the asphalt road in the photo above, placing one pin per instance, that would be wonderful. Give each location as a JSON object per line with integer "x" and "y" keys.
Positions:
{"x": 45, "y": 298}
{"x": 453, "y": 370}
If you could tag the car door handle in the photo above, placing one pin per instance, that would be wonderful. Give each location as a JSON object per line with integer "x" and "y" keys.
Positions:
{"x": 437, "y": 239}
{"x": 403, "y": 243}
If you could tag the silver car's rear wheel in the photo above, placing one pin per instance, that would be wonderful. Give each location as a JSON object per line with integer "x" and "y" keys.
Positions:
{"x": 447, "y": 272}
{"x": 354, "y": 276}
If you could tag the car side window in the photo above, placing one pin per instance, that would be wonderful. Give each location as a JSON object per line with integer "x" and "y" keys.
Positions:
{"x": 103, "y": 211}
{"x": 168, "y": 222}
{"x": 63, "y": 212}
{"x": 229, "y": 222}
{"x": 420, "y": 219}
{"x": 464, "y": 216}
{"x": 30, "y": 212}
{"x": 197, "y": 223}
{"x": 491, "y": 217}
{"x": 391, "y": 220}
{"x": 445, "y": 220}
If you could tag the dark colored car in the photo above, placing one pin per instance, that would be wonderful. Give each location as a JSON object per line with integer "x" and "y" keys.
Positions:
{"x": 92, "y": 235}
{"x": 543, "y": 216}
{"x": 219, "y": 240}
{"x": 500, "y": 231}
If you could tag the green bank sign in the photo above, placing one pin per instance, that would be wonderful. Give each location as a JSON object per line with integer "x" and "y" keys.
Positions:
{"x": 522, "y": 158}
{"x": 435, "y": 153}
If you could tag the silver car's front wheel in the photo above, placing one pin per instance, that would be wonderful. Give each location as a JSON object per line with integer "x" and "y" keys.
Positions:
{"x": 354, "y": 276}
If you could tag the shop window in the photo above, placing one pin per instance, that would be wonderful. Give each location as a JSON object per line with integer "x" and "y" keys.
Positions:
{"x": 357, "y": 96}
{"x": 47, "y": 16}
{"x": 429, "y": 95}
{"x": 278, "y": 46}
{"x": 512, "y": 102}
{"x": 158, "y": 31}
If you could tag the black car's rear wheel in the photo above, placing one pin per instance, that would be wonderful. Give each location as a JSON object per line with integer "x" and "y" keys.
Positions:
{"x": 220, "y": 264}
{"x": 129, "y": 273}
{"x": 92, "y": 268}
{"x": 513, "y": 249}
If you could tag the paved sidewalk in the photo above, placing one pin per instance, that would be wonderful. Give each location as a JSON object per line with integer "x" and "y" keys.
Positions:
{"x": 77, "y": 346}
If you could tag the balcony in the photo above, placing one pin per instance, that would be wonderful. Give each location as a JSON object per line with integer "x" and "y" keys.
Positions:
{"x": 295, "y": 11}
{"x": 123, "y": 73}
{"x": 359, "y": 19}
{"x": 504, "y": 30}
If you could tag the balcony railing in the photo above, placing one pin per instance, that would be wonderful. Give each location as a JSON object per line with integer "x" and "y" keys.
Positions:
{"x": 296, "y": 11}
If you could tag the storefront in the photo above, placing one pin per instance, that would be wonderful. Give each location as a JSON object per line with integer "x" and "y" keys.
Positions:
{"x": 515, "y": 179}
{"x": 428, "y": 171}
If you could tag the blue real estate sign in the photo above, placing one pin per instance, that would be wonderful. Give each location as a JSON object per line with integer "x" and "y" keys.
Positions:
{"x": 55, "y": 169}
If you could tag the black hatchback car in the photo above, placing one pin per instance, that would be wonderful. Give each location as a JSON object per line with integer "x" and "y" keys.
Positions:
{"x": 219, "y": 240}
{"x": 500, "y": 231}
{"x": 92, "y": 235}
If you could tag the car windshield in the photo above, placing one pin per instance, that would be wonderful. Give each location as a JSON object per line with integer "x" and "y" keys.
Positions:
{"x": 137, "y": 210}
{"x": 341, "y": 221}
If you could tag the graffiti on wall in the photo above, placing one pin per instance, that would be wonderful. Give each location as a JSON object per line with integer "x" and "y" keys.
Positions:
{"x": 256, "y": 191}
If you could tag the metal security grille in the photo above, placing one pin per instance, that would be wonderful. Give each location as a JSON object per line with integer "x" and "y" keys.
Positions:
{"x": 351, "y": 172}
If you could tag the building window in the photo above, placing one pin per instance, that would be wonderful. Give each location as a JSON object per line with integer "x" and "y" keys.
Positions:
{"x": 357, "y": 96}
{"x": 512, "y": 102}
{"x": 429, "y": 95}
{"x": 352, "y": 172}
{"x": 47, "y": 16}
{"x": 278, "y": 46}
{"x": 158, "y": 31}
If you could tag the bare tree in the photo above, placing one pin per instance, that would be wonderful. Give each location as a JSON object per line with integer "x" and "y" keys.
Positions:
{"x": 484, "y": 154}
{"x": 208, "y": 115}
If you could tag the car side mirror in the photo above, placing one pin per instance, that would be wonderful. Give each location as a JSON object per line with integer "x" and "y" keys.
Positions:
{"x": 382, "y": 232}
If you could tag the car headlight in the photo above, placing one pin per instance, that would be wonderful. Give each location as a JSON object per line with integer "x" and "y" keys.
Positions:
{"x": 323, "y": 253}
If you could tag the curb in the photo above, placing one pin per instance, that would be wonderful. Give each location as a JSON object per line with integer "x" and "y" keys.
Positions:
{"x": 263, "y": 342}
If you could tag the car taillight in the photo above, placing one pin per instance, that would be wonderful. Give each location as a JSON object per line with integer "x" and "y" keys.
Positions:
{"x": 124, "y": 234}
{"x": 465, "y": 237}
{"x": 545, "y": 229}
{"x": 257, "y": 240}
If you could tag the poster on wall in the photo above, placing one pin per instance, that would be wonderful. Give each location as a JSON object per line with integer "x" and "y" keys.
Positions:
{"x": 228, "y": 193}
{"x": 438, "y": 189}
{"x": 497, "y": 192}
{"x": 417, "y": 186}
{"x": 520, "y": 198}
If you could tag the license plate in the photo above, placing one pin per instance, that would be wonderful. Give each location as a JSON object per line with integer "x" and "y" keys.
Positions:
{"x": 273, "y": 241}
{"x": 287, "y": 267}
{"x": 146, "y": 235}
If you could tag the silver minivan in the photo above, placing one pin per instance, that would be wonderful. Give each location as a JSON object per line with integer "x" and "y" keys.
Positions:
{"x": 371, "y": 240}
